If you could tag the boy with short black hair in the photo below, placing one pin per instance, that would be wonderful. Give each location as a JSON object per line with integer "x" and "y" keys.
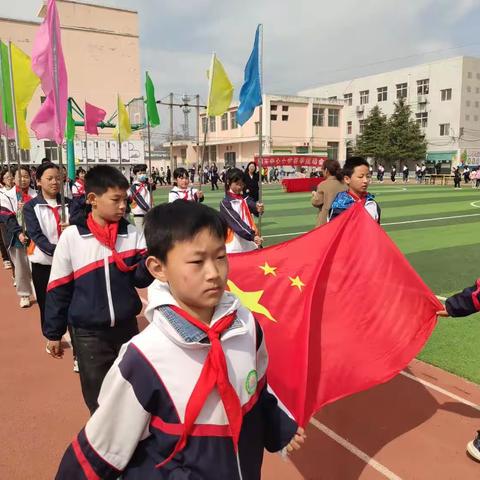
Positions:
{"x": 96, "y": 266}
{"x": 181, "y": 190}
{"x": 187, "y": 397}
{"x": 356, "y": 174}
{"x": 139, "y": 194}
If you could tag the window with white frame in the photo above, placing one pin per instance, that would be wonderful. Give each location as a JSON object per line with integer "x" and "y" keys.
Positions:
{"x": 364, "y": 97}
{"x": 332, "y": 150}
{"x": 444, "y": 129}
{"x": 361, "y": 126}
{"x": 402, "y": 90}
{"x": 213, "y": 124}
{"x": 422, "y": 119}
{"x": 333, "y": 115}
{"x": 233, "y": 120}
{"x": 348, "y": 97}
{"x": 204, "y": 124}
{"x": 446, "y": 94}
{"x": 318, "y": 116}
{"x": 349, "y": 128}
{"x": 423, "y": 86}
{"x": 382, "y": 94}
{"x": 224, "y": 121}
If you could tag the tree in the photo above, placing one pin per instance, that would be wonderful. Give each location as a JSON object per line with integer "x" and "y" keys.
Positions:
{"x": 406, "y": 140}
{"x": 373, "y": 142}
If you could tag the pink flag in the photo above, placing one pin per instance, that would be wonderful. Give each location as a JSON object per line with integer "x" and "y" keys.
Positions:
{"x": 93, "y": 115}
{"x": 48, "y": 63}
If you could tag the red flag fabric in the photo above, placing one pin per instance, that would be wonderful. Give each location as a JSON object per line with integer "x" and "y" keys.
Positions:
{"x": 341, "y": 308}
{"x": 93, "y": 115}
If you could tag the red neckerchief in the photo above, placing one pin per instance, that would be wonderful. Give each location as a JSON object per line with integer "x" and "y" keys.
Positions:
{"x": 107, "y": 236}
{"x": 246, "y": 215}
{"x": 22, "y": 195}
{"x": 56, "y": 214}
{"x": 362, "y": 198}
{"x": 214, "y": 374}
{"x": 80, "y": 184}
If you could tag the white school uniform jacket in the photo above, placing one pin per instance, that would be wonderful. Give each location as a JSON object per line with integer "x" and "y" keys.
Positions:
{"x": 42, "y": 227}
{"x": 139, "y": 194}
{"x": 144, "y": 396}
{"x": 190, "y": 194}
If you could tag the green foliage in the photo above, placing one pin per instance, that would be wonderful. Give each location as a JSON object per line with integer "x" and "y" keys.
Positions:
{"x": 396, "y": 139}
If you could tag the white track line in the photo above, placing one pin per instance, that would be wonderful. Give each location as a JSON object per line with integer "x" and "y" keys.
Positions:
{"x": 389, "y": 224}
{"x": 441, "y": 390}
{"x": 356, "y": 451}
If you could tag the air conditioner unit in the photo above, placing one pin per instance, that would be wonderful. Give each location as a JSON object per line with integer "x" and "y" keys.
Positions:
{"x": 422, "y": 99}
{"x": 360, "y": 108}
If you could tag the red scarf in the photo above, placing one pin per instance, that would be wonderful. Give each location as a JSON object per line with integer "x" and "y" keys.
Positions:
{"x": 214, "y": 374}
{"x": 80, "y": 184}
{"x": 56, "y": 214}
{"x": 22, "y": 195}
{"x": 107, "y": 236}
{"x": 362, "y": 198}
{"x": 246, "y": 215}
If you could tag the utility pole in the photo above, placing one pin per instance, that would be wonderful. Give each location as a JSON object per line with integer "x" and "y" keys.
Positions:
{"x": 173, "y": 162}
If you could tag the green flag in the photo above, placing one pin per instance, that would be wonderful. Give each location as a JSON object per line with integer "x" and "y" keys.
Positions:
{"x": 6, "y": 87}
{"x": 70, "y": 130}
{"x": 152, "y": 112}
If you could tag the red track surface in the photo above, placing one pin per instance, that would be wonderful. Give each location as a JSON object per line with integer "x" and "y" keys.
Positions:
{"x": 411, "y": 430}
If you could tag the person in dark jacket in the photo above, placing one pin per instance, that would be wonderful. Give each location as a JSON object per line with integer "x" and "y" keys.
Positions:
{"x": 251, "y": 179}
{"x": 463, "y": 304}
{"x": 97, "y": 265}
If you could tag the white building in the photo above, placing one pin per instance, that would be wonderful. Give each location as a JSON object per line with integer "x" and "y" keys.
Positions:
{"x": 444, "y": 97}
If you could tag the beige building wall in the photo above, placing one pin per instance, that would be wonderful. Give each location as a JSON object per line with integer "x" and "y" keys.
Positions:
{"x": 102, "y": 54}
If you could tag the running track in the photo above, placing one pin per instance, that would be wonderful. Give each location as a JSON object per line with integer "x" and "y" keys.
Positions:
{"x": 401, "y": 430}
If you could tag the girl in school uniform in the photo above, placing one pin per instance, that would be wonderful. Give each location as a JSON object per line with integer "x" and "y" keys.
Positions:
{"x": 182, "y": 190}
{"x": 78, "y": 187}
{"x": 237, "y": 211}
{"x": 12, "y": 203}
{"x": 44, "y": 227}
{"x": 7, "y": 182}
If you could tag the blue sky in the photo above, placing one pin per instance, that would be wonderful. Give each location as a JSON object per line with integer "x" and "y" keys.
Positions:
{"x": 306, "y": 42}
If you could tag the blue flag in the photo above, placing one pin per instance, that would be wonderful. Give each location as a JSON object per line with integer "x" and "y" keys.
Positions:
{"x": 251, "y": 92}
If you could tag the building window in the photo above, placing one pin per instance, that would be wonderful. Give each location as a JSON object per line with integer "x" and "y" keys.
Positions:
{"x": 273, "y": 108}
{"x": 348, "y": 97}
{"x": 318, "y": 114}
{"x": 402, "y": 90}
{"x": 273, "y": 117}
{"x": 361, "y": 126}
{"x": 476, "y": 104}
{"x": 284, "y": 118}
{"x": 204, "y": 125}
{"x": 349, "y": 128}
{"x": 364, "y": 97}
{"x": 446, "y": 94}
{"x": 423, "y": 86}
{"x": 284, "y": 108}
{"x": 422, "y": 119}
{"x": 257, "y": 128}
{"x": 333, "y": 117}
{"x": 51, "y": 150}
{"x": 382, "y": 94}
{"x": 469, "y": 75}
{"x": 478, "y": 76}
{"x": 224, "y": 121}
{"x": 233, "y": 120}
{"x": 467, "y": 118}
{"x": 469, "y": 89}
{"x": 332, "y": 150}
{"x": 475, "y": 118}
{"x": 332, "y": 98}
{"x": 213, "y": 153}
{"x": 467, "y": 103}
{"x": 444, "y": 129}
{"x": 213, "y": 124}
{"x": 477, "y": 90}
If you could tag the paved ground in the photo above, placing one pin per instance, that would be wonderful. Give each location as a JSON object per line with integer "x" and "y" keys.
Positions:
{"x": 403, "y": 429}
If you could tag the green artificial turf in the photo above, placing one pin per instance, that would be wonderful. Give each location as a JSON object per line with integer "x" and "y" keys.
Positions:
{"x": 444, "y": 252}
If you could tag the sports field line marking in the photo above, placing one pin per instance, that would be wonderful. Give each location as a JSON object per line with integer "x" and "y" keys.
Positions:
{"x": 436, "y": 219}
{"x": 354, "y": 450}
{"x": 441, "y": 390}
{"x": 474, "y": 204}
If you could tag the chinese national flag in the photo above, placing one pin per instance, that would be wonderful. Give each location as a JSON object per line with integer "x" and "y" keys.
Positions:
{"x": 341, "y": 308}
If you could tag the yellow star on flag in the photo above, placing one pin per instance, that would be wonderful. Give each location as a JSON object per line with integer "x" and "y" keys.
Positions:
{"x": 268, "y": 270}
{"x": 296, "y": 282}
{"x": 250, "y": 300}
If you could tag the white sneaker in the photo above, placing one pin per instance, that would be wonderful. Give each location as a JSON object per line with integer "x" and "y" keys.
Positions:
{"x": 7, "y": 264}
{"x": 24, "y": 302}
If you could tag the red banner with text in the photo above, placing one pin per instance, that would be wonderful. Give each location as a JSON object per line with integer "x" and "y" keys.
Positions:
{"x": 292, "y": 160}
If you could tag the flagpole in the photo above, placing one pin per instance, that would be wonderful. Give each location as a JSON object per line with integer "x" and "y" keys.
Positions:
{"x": 210, "y": 81}
{"x": 14, "y": 109}
{"x": 86, "y": 133}
{"x": 149, "y": 154}
{"x": 260, "y": 132}
{"x": 118, "y": 132}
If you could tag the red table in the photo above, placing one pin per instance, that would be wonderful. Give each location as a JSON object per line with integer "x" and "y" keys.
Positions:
{"x": 301, "y": 184}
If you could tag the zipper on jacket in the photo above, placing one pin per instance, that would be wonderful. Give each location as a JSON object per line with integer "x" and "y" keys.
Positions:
{"x": 239, "y": 468}
{"x": 106, "y": 265}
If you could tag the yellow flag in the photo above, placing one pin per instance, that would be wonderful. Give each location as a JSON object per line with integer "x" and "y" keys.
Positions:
{"x": 123, "y": 129}
{"x": 221, "y": 90}
{"x": 25, "y": 83}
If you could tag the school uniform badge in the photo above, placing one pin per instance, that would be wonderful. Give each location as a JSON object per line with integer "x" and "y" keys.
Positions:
{"x": 251, "y": 382}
